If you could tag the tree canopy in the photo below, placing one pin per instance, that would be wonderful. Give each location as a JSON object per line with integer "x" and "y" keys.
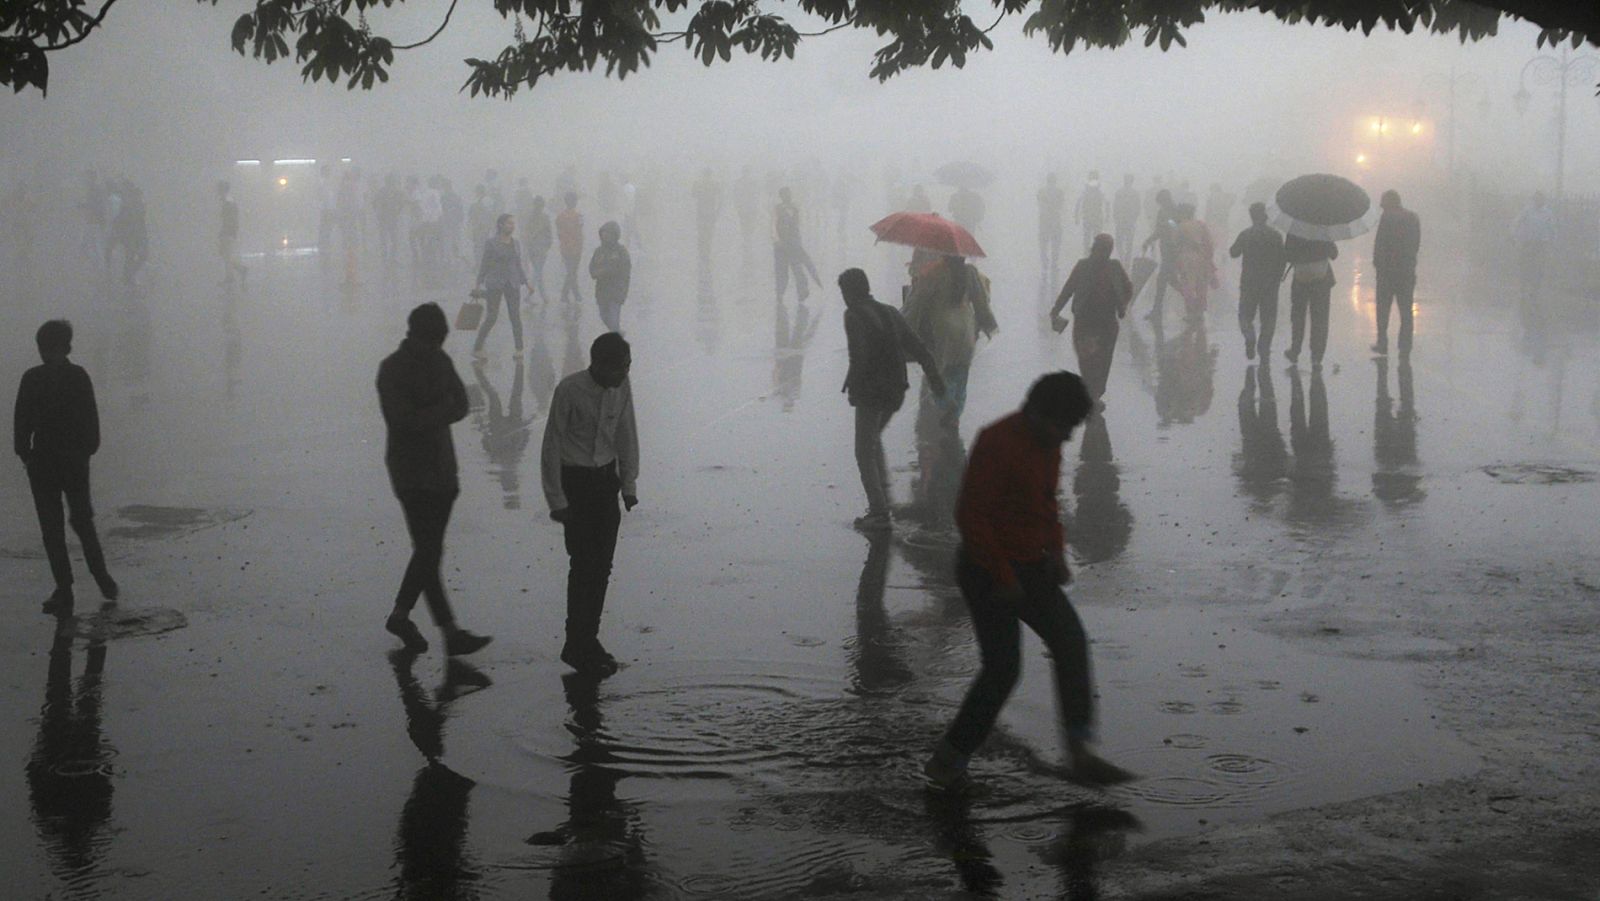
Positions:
{"x": 332, "y": 40}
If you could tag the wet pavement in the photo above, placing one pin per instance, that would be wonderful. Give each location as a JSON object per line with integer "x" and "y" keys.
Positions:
{"x": 1342, "y": 620}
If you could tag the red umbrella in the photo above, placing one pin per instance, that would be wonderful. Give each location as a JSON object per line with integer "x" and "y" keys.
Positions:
{"x": 929, "y": 231}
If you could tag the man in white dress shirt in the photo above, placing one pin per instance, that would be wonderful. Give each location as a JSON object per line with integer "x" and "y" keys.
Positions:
{"x": 590, "y": 456}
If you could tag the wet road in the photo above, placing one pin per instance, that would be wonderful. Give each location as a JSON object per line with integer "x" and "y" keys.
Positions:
{"x": 242, "y": 725}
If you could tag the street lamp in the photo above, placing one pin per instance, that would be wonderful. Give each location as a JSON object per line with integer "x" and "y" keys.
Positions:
{"x": 1463, "y": 80}
{"x": 1567, "y": 70}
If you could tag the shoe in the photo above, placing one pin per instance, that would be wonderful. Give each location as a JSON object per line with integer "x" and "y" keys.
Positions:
{"x": 1091, "y": 770}
{"x": 1292, "y": 355}
{"x": 879, "y": 521}
{"x": 460, "y": 641}
{"x": 108, "y": 586}
{"x": 59, "y": 602}
{"x": 1381, "y": 349}
{"x": 946, "y": 770}
{"x": 589, "y": 660}
{"x": 406, "y": 630}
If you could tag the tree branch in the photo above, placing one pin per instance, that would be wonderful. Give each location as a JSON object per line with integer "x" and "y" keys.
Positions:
{"x": 438, "y": 31}
{"x": 93, "y": 24}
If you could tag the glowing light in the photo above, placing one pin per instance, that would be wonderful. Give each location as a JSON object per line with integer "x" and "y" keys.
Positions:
{"x": 1383, "y": 128}
{"x": 1361, "y": 159}
{"x": 285, "y": 241}
{"x": 1416, "y": 128}
{"x": 344, "y": 159}
{"x": 247, "y": 162}
{"x": 283, "y": 182}
{"x": 294, "y": 162}
{"x": 1377, "y": 125}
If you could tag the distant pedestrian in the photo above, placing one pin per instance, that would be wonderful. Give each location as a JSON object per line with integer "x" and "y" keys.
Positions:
{"x": 1196, "y": 269}
{"x": 1125, "y": 206}
{"x": 1394, "y": 259}
{"x": 612, "y": 269}
{"x": 1261, "y": 247}
{"x": 1535, "y": 233}
{"x": 1311, "y": 284}
{"x": 948, "y": 307}
{"x": 879, "y": 342}
{"x": 1163, "y": 234}
{"x": 569, "y": 234}
{"x": 789, "y": 257}
{"x": 1090, "y": 211}
{"x": 501, "y": 278}
{"x": 1052, "y": 202}
{"x": 421, "y": 396}
{"x": 967, "y": 208}
{"x": 1011, "y": 569}
{"x": 228, "y": 235}
{"x": 707, "y": 207}
{"x": 57, "y": 430}
{"x": 590, "y": 456}
{"x": 1099, "y": 291}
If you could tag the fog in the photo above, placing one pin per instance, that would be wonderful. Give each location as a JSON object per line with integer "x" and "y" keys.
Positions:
{"x": 1340, "y": 612}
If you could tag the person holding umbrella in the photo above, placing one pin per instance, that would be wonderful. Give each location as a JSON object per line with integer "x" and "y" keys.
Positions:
{"x": 1315, "y": 211}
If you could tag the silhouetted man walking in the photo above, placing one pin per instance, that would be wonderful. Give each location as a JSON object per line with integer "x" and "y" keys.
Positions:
{"x": 590, "y": 456}
{"x": 421, "y": 396}
{"x": 1261, "y": 246}
{"x": 57, "y": 430}
{"x": 1394, "y": 259}
{"x": 1011, "y": 570}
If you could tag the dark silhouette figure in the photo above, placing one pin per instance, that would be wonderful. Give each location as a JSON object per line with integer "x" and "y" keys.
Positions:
{"x": 1261, "y": 247}
{"x": 421, "y": 396}
{"x": 1397, "y": 479}
{"x": 876, "y": 664}
{"x": 789, "y": 257}
{"x": 501, "y": 278}
{"x": 541, "y": 237}
{"x": 506, "y": 431}
{"x": 430, "y": 845}
{"x": 1310, "y": 291}
{"x": 1263, "y": 460}
{"x": 596, "y": 817}
{"x": 1164, "y": 236}
{"x": 879, "y": 342}
{"x": 1052, "y": 203}
{"x": 1311, "y": 479}
{"x": 1394, "y": 259}
{"x": 1100, "y": 525}
{"x": 590, "y": 455}
{"x": 569, "y": 235}
{"x": 56, "y": 431}
{"x": 69, "y": 779}
{"x": 1099, "y": 291}
{"x": 612, "y": 271}
{"x": 1011, "y": 570}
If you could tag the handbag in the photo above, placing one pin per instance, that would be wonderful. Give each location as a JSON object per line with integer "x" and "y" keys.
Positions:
{"x": 470, "y": 316}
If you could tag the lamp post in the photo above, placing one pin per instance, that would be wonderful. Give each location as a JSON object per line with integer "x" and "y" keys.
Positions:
{"x": 1466, "y": 81}
{"x": 1563, "y": 71}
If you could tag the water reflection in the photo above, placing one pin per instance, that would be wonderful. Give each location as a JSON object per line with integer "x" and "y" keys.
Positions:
{"x": 1314, "y": 475}
{"x": 574, "y": 356}
{"x": 708, "y": 316}
{"x": 69, "y": 770}
{"x": 505, "y": 432}
{"x": 876, "y": 663}
{"x": 232, "y": 341}
{"x": 430, "y": 846}
{"x": 790, "y": 338}
{"x": 1263, "y": 460}
{"x": 1397, "y": 480}
{"x": 1099, "y": 525}
{"x": 601, "y": 844}
{"x": 1185, "y": 373}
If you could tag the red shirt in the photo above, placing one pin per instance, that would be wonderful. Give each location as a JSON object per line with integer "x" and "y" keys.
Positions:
{"x": 1007, "y": 510}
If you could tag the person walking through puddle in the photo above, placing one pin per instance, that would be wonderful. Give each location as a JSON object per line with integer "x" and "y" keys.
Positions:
{"x": 1011, "y": 569}
{"x": 590, "y": 456}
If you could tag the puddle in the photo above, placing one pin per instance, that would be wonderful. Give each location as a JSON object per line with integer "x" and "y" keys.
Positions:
{"x": 1537, "y": 474}
{"x": 111, "y": 624}
{"x": 146, "y": 521}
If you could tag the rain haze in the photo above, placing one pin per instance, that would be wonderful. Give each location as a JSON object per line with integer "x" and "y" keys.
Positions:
{"x": 1330, "y": 532}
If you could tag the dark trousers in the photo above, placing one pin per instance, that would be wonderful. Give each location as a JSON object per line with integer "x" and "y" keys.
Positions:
{"x": 427, "y": 517}
{"x": 1262, "y": 301}
{"x": 512, "y": 295}
{"x": 591, "y": 538}
{"x": 1396, "y": 289}
{"x": 569, "y": 284}
{"x": 51, "y": 480}
{"x": 1049, "y": 614}
{"x": 788, "y": 260}
{"x": 1309, "y": 299}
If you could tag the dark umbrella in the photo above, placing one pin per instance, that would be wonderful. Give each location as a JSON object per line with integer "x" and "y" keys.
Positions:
{"x": 964, "y": 174}
{"x": 1322, "y": 208}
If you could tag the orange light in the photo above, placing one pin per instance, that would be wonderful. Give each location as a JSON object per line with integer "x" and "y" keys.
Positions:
{"x": 1416, "y": 128}
{"x": 1377, "y": 125}
{"x": 285, "y": 240}
{"x": 283, "y": 183}
{"x": 1361, "y": 159}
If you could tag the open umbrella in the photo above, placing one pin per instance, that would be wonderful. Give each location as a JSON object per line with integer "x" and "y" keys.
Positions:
{"x": 1322, "y": 208}
{"x": 965, "y": 174}
{"x": 928, "y": 231}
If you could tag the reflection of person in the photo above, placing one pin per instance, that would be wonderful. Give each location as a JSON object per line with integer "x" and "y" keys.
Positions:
{"x": 56, "y": 431}
{"x": 1099, "y": 292}
{"x": 1100, "y": 525}
{"x": 505, "y": 431}
{"x": 1311, "y": 481}
{"x": 1310, "y": 290}
{"x": 68, "y": 789}
{"x": 421, "y": 396}
{"x": 789, "y": 343}
{"x": 1394, "y": 259}
{"x": 1263, "y": 461}
{"x": 1011, "y": 570}
{"x": 879, "y": 341}
{"x": 590, "y": 455}
{"x": 430, "y": 849}
{"x": 501, "y": 278}
{"x": 1261, "y": 247}
{"x": 1396, "y": 479}
{"x": 611, "y": 268}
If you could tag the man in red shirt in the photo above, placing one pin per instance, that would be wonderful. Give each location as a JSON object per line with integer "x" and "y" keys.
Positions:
{"x": 1011, "y": 570}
